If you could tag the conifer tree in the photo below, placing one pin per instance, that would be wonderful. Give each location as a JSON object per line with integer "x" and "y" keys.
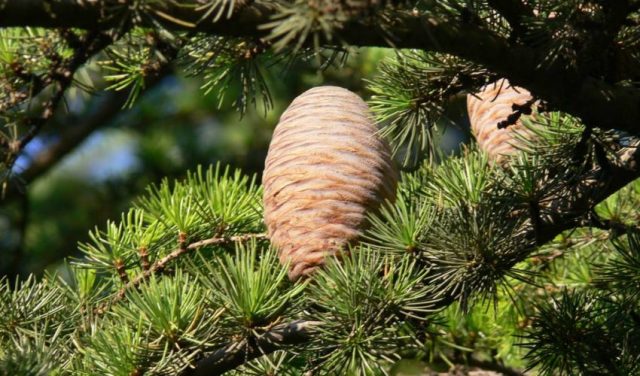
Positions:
{"x": 530, "y": 263}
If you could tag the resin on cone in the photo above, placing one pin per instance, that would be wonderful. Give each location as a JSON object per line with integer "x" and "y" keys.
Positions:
{"x": 326, "y": 170}
{"x": 489, "y": 107}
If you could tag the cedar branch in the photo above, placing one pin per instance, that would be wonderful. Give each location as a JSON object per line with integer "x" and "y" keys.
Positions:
{"x": 106, "y": 110}
{"x": 237, "y": 353}
{"x": 160, "y": 265}
{"x": 561, "y": 214}
{"x": 597, "y": 102}
{"x": 513, "y": 11}
{"x": 91, "y": 44}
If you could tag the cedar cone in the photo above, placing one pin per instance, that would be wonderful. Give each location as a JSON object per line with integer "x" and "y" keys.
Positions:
{"x": 492, "y": 105}
{"x": 326, "y": 169}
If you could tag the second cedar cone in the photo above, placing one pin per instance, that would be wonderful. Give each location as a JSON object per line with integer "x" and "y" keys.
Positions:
{"x": 489, "y": 107}
{"x": 326, "y": 169}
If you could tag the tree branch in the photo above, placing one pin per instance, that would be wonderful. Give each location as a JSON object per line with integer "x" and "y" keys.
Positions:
{"x": 160, "y": 265}
{"x": 597, "y": 103}
{"x": 70, "y": 138}
{"x": 60, "y": 79}
{"x": 238, "y": 353}
{"x": 513, "y": 11}
{"x": 614, "y": 227}
{"x": 565, "y": 209}
{"x": 107, "y": 14}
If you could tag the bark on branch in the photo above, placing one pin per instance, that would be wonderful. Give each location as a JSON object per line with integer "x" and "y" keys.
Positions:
{"x": 596, "y": 102}
{"x": 107, "y": 14}
{"x": 236, "y": 354}
{"x": 513, "y": 11}
{"x": 71, "y": 137}
{"x": 160, "y": 265}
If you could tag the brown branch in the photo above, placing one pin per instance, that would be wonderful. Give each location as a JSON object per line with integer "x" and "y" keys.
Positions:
{"x": 61, "y": 79}
{"x": 159, "y": 266}
{"x": 108, "y": 108}
{"x": 564, "y": 210}
{"x": 143, "y": 253}
{"x": 295, "y": 333}
{"x": 238, "y": 353}
{"x": 596, "y": 102}
{"x": 108, "y": 14}
{"x": 464, "y": 365}
{"x": 69, "y": 139}
{"x": 614, "y": 227}
{"x": 514, "y": 11}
